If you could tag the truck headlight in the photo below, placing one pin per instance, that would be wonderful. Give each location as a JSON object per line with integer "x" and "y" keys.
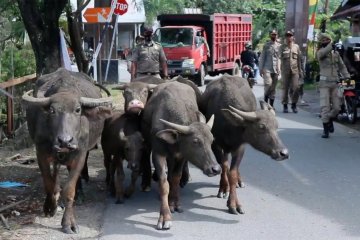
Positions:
{"x": 188, "y": 63}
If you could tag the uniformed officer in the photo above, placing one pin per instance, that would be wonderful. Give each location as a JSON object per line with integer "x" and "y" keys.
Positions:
{"x": 148, "y": 57}
{"x": 330, "y": 64}
{"x": 291, "y": 71}
{"x": 269, "y": 67}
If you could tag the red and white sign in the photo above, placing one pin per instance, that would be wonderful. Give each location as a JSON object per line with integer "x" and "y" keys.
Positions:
{"x": 121, "y": 7}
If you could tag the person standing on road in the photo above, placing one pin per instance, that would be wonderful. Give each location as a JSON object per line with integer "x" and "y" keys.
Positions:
{"x": 331, "y": 65}
{"x": 269, "y": 67}
{"x": 291, "y": 71}
{"x": 148, "y": 57}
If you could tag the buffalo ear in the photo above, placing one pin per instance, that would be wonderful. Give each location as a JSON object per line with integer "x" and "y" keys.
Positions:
{"x": 232, "y": 117}
{"x": 168, "y": 135}
{"x": 97, "y": 113}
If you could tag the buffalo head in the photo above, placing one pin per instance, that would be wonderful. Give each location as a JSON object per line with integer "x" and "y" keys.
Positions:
{"x": 194, "y": 143}
{"x": 259, "y": 130}
{"x": 63, "y": 118}
{"x": 133, "y": 148}
{"x": 136, "y": 95}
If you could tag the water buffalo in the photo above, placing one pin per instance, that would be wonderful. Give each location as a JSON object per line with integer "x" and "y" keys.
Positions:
{"x": 138, "y": 92}
{"x": 176, "y": 130}
{"x": 121, "y": 139}
{"x": 237, "y": 122}
{"x": 65, "y": 118}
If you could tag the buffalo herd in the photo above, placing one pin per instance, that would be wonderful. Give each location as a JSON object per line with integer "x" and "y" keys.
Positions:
{"x": 164, "y": 126}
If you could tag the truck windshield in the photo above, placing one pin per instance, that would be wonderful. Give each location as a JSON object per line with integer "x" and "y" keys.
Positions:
{"x": 174, "y": 37}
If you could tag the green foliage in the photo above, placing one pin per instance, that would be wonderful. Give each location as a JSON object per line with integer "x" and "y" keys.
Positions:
{"x": 23, "y": 62}
{"x": 153, "y": 8}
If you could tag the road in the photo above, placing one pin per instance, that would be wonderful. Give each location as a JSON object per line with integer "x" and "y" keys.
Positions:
{"x": 313, "y": 195}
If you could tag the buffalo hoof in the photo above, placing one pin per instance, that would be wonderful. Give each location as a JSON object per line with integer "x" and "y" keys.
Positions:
{"x": 49, "y": 208}
{"x": 237, "y": 210}
{"x": 166, "y": 225}
{"x": 70, "y": 229}
{"x": 145, "y": 188}
{"x": 128, "y": 192}
{"x": 223, "y": 195}
{"x": 240, "y": 184}
{"x": 119, "y": 201}
{"x": 178, "y": 209}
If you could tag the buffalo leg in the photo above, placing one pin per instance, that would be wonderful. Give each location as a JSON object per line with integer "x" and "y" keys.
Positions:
{"x": 185, "y": 175}
{"x": 68, "y": 222}
{"x": 222, "y": 159}
{"x": 233, "y": 202}
{"x": 131, "y": 188}
{"x": 51, "y": 184}
{"x": 85, "y": 170}
{"x": 119, "y": 180}
{"x": 174, "y": 181}
{"x": 145, "y": 169}
{"x": 164, "y": 221}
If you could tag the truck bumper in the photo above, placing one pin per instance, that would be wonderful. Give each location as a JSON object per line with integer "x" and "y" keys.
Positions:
{"x": 182, "y": 71}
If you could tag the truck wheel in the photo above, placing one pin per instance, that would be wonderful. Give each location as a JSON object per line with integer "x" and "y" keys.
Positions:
{"x": 200, "y": 78}
{"x": 236, "y": 70}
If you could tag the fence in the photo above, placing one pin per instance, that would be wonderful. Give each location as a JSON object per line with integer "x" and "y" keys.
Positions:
{"x": 12, "y": 91}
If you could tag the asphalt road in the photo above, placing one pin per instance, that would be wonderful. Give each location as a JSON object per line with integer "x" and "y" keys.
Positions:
{"x": 313, "y": 195}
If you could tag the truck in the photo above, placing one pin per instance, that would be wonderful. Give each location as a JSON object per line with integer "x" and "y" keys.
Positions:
{"x": 184, "y": 38}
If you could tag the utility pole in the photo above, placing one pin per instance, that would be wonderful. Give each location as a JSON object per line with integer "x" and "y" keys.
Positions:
{"x": 297, "y": 19}
{"x": 326, "y": 11}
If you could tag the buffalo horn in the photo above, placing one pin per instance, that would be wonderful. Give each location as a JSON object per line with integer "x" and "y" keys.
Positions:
{"x": 29, "y": 99}
{"x": 95, "y": 102}
{"x": 121, "y": 87}
{"x": 181, "y": 128}
{"x": 250, "y": 116}
{"x": 210, "y": 123}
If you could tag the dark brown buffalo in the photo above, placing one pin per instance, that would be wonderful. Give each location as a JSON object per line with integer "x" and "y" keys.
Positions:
{"x": 121, "y": 139}
{"x": 65, "y": 119}
{"x": 175, "y": 130}
{"x": 237, "y": 123}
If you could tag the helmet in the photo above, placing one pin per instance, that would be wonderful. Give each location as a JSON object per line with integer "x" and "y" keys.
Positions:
{"x": 248, "y": 45}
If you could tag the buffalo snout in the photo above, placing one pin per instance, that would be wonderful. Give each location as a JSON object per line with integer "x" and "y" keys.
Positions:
{"x": 213, "y": 170}
{"x": 65, "y": 142}
{"x": 135, "y": 106}
{"x": 281, "y": 154}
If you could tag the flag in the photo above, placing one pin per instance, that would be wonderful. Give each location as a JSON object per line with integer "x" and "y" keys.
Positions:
{"x": 312, "y": 15}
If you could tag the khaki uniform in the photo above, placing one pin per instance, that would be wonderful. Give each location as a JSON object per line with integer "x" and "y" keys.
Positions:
{"x": 148, "y": 57}
{"x": 330, "y": 64}
{"x": 291, "y": 71}
{"x": 269, "y": 61}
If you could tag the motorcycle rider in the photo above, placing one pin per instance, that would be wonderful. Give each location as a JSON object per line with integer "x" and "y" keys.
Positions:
{"x": 249, "y": 57}
{"x": 330, "y": 64}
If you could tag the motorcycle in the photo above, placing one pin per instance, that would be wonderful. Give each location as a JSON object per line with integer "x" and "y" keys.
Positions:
{"x": 348, "y": 95}
{"x": 248, "y": 73}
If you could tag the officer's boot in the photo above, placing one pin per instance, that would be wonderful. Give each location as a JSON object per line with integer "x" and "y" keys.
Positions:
{"x": 272, "y": 102}
{"x": 293, "y": 107}
{"x": 266, "y": 99}
{"x": 331, "y": 125}
{"x": 285, "y": 109}
{"x": 326, "y": 130}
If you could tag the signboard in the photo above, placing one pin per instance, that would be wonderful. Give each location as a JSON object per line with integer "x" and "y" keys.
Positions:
{"x": 121, "y": 7}
{"x": 96, "y": 15}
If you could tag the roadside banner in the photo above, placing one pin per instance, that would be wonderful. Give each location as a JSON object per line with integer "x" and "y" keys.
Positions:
{"x": 312, "y": 16}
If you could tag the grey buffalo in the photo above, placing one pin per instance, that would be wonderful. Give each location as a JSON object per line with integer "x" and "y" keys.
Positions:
{"x": 237, "y": 122}
{"x": 121, "y": 139}
{"x": 176, "y": 131}
{"x": 65, "y": 118}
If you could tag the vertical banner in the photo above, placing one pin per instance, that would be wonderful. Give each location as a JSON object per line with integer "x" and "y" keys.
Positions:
{"x": 312, "y": 16}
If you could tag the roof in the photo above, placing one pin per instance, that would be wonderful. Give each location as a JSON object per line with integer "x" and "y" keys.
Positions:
{"x": 347, "y": 9}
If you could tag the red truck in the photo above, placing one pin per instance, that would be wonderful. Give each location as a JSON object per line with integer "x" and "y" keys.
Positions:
{"x": 184, "y": 38}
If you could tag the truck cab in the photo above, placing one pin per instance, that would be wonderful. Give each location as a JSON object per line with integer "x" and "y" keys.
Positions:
{"x": 186, "y": 50}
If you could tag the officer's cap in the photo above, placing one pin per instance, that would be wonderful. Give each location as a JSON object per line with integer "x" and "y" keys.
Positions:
{"x": 148, "y": 29}
{"x": 273, "y": 32}
{"x": 323, "y": 36}
{"x": 289, "y": 33}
